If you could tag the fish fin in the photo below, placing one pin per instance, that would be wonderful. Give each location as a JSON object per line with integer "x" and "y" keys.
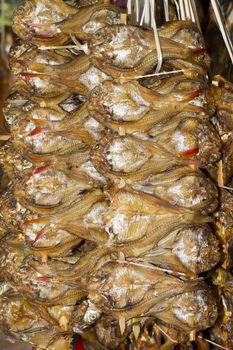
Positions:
{"x": 136, "y": 331}
{"x": 122, "y": 324}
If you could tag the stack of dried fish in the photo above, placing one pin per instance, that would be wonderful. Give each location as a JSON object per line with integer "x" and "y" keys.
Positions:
{"x": 114, "y": 219}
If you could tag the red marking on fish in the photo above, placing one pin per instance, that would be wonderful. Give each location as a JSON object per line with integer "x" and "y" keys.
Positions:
{"x": 43, "y": 35}
{"x": 37, "y": 159}
{"x": 199, "y": 51}
{"x": 44, "y": 279}
{"x": 193, "y": 95}
{"x": 39, "y": 170}
{"x": 35, "y": 221}
{"x": 39, "y": 234}
{"x": 191, "y": 151}
{"x": 79, "y": 345}
{"x": 23, "y": 62}
{"x": 29, "y": 75}
{"x": 36, "y": 131}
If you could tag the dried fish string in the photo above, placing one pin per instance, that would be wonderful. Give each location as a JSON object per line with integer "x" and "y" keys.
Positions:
{"x": 122, "y": 216}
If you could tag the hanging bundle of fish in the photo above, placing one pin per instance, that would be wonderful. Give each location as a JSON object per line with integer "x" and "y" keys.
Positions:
{"x": 116, "y": 224}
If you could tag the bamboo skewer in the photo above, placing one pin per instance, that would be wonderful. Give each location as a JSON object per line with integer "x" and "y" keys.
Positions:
{"x": 213, "y": 343}
{"x": 160, "y": 74}
{"x": 166, "y": 10}
{"x": 182, "y": 10}
{"x": 177, "y": 9}
{"x": 223, "y": 28}
{"x": 156, "y": 35}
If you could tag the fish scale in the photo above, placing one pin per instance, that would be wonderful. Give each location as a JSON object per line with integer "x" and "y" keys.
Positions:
{"x": 136, "y": 246}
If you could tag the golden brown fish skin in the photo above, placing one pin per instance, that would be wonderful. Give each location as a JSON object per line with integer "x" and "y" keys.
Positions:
{"x": 133, "y": 233}
{"x": 192, "y": 249}
{"x": 41, "y": 80}
{"x": 12, "y": 162}
{"x": 78, "y": 76}
{"x": 41, "y": 86}
{"x": 182, "y": 186}
{"x": 130, "y": 108}
{"x": 38, "y": 284}
{"x": 14, "y": 105}
{"x": 50, "y": 187}
{"x": 44, "y": 134}
{"x": 227, "y": 159}
{"x": 191, "y": 68}
{"x": 84, "y": 241}
{"x": 141, "y": 55}
{"x": 19, "y": 167}
{"x": 25, "y": 310}
{"x": 133, "y": 215}
{"x": 197, "y": 134}
{"x": 37, "y": 72}
{"x": 143, "y": 334}
{"x": 12, "y": 213}
{"x": 24, "y": 55}
{"x": 147, "y": 156}
{"x": 173, "y": 83}
{"x": 56, "y": 107}
{"x": 82, "y": 23}
{"x": 37, "y": 136}
{"x": 223, "y": 226}
{"x": 184, "y": 32}
{"x": 221, "y": 331}
{"x": 74, "y": 217}
{"x": 107, "y": 332}
{"x": 26, "y": 321}
{"x": 89, "y": 19}
{"x": 223, "y": 97}
{"x": 143, "y": 158}
{"x": 34, "y": 18}
{"x": 153, "y": 292}
{"x": 157, "y": 221}
{"x": 182, "y": 84}
{"x": 79, "y": 64}
{"x": 27, "y": 281}
{"x": 21, "y": 217}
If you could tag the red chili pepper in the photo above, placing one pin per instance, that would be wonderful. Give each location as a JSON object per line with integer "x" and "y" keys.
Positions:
{"x": 36, "y": 131}
{"x": 79, "y": 345}
{"x": 191, "y": 151}
{"x": 39, "y": 170}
